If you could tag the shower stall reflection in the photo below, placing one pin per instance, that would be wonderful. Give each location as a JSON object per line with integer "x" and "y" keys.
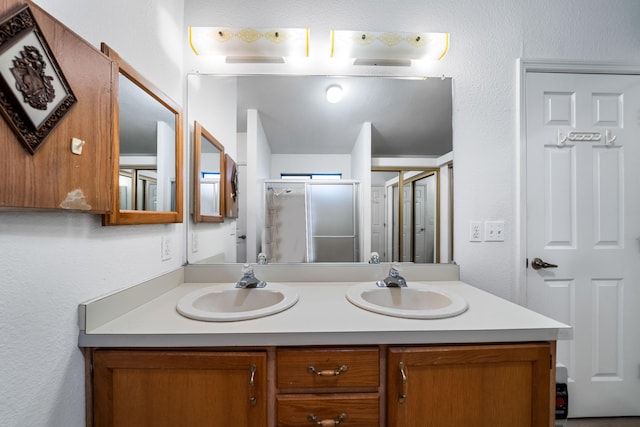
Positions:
{"x": 309, "y": 221}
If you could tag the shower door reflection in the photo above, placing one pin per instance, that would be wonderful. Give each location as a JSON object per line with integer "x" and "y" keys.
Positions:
{"x": 311, "y": 221}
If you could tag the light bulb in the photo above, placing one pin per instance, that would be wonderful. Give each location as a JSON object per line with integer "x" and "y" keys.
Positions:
{"x": 334, "y": 94}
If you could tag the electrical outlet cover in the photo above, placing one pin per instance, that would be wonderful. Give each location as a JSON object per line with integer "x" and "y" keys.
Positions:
{"x": 165, "y": 248}
{"x": 475, "y": 231}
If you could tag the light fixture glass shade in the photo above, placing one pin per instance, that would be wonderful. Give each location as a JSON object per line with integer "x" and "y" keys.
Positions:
{"x": 388, "y": 45}
{"x": 334, "y": 94}
{"x": 250, "y": 43}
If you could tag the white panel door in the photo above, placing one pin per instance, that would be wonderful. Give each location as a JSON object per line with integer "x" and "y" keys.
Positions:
{"x": 419, "y": 223}
{"x": 583, "y": 215}
{"x": 407, "y": 219}
{"x": 378, "y": 210}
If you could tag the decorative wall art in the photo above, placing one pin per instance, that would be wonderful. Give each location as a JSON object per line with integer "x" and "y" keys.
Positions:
{"x": 34, "y": 94}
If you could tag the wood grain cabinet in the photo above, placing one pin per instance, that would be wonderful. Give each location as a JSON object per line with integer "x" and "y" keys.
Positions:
{"x": 335, "y": 386}
{"x": 179, "y": 388}
{"x": 485, "y": 385}
{"x": 471, "y": 386}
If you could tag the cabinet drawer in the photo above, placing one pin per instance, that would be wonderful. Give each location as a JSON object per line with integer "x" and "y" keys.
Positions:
{"x": 352, "y": 410}
{"x": 334, "y": 368}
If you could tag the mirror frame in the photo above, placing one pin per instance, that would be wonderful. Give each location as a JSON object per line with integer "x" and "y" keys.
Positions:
{"x": 132, "y": 217}
{"x": 200, "y": 133}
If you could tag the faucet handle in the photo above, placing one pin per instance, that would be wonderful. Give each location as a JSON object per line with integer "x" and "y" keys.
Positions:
{"x": 395, "y": 269}
{"x": 262, "y": 258}
{"x": 249, "y": 279}
{"x": 247, "y": 270}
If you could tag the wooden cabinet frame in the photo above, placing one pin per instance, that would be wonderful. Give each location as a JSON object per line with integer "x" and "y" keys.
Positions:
{"x": 448, "y": 379}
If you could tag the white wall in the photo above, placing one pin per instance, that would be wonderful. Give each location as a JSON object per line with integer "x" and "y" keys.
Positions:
{"x": 52, "y": 261}
{"x": 361, "y": 171}
{"x": 220, "y": 120}
{"x": 259, "y": 159}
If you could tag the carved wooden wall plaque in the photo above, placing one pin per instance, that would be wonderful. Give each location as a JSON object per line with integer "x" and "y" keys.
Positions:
{"x": 34, "y": 94}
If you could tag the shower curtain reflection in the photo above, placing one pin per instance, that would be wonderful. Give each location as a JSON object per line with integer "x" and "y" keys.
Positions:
{"x": 311, "y": 222}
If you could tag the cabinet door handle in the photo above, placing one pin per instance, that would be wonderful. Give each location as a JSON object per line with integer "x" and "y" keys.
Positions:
{"x": 329, "y": 422}
{"x": 252, "y": 377}
{"x": 327, "y": 372}
{"x": 253, "y": 401}
{"x": 403, "y": 375}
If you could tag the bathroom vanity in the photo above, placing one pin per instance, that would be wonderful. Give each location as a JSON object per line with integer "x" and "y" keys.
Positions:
{"x": 323, "y": 361}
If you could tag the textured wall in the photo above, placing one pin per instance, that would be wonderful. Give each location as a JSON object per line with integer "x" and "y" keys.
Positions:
{"x": 52, "y": 261}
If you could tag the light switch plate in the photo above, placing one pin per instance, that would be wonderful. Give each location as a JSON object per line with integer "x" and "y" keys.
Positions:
{"x": 494, "y": 231}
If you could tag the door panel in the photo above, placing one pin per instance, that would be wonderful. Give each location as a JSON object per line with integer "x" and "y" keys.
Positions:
{"x": 378, "y": 209}
{"x": 583, "y": 214}
{"x": 419, "y": 237}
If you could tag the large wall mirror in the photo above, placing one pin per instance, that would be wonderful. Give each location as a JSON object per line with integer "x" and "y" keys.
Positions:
{"x": 208, "y": 176}
{"x": 287, "y": 128}
{"x": 148, "y": 140}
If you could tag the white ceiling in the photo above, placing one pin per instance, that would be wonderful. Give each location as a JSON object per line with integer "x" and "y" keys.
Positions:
{"x": 409, "y": 117}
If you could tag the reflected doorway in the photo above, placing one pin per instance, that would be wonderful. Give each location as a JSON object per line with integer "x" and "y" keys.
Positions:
{"x": 405, "y": 224}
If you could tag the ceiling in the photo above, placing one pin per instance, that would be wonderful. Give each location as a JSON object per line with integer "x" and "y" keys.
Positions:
{"x": 139, "y": 114}
{"x": 409, "y": 117}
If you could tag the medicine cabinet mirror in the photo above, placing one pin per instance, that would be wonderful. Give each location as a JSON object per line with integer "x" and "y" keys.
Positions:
{"x": 208, "y": 177}
{"x": 148, "y": 146}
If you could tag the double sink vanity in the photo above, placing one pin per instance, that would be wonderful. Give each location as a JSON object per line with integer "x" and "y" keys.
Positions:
{"x": 319, "y": 344}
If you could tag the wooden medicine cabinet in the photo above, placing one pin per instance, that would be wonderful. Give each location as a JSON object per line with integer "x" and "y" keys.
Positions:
{"x": 147, "y": 173}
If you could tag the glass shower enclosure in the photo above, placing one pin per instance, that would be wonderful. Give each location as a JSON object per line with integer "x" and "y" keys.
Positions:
{"x": 308, "y": 221}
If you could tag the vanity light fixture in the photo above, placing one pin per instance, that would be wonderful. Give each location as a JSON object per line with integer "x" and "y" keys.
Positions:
{"x": 388, "y": 48}
{"x": 334, "y": 94}
{"x": 249, "y": 45}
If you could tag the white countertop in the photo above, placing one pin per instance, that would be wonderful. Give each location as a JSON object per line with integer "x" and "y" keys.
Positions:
{"x": 322, "y": 316}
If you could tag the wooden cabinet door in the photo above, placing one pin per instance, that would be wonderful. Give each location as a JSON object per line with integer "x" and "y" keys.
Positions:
{"x": 471, "y": 386}
{"x": 179, "y": 388}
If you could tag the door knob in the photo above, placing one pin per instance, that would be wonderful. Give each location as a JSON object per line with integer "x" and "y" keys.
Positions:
{"x": 243, "y": 236}
{"x": 537, "y": 264}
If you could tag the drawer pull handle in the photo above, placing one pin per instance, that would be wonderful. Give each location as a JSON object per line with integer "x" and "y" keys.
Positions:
{"x": 327, "y": 372}
{"x": 337, "y": 420}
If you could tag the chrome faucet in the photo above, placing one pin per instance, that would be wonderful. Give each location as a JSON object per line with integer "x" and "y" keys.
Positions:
{"x": 262, "y": 258}
{"x": 394, "y": 280}
{"x": 249, "y": 280}
{"x": 375, "y": 258}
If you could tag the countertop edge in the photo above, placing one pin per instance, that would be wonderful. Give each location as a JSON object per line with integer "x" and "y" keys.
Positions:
{"x": 287, "y": 339}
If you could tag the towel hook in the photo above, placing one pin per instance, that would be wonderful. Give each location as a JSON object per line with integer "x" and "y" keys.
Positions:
{"x": 562, "y": 140}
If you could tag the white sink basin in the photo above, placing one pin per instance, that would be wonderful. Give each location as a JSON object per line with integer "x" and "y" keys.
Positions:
{"x": 225, "y": 303}
{"x": 416, "y": 301}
